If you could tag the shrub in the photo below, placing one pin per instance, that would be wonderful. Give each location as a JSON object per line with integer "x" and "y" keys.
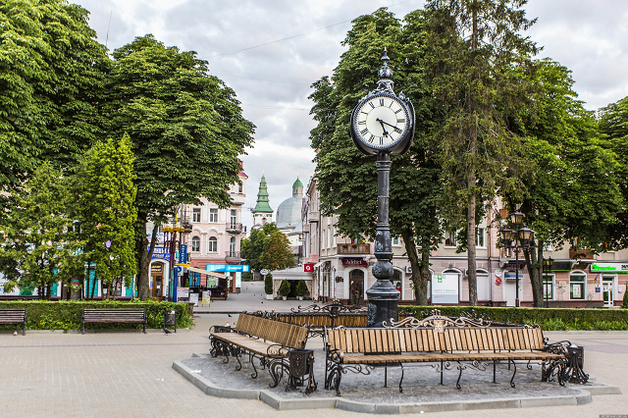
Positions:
{"x": 549, "y": 319}
{"x": 268, "y": 284}
{"x": 67, "y": 315}
{"x": 301, "y": 288}
{"x": 284, "y": 289}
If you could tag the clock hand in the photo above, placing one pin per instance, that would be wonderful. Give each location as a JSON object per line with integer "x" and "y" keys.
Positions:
{"x": 383, "y": 128}
{"x": 383, "y": 121}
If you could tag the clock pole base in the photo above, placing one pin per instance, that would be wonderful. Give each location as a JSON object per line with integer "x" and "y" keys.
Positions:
{"x": 383, "y": 304}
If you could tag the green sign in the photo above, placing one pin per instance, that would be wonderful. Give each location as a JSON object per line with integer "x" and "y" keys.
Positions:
{"x": 609, "y": 268}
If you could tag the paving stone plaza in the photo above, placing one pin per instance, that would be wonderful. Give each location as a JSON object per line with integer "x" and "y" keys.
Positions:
{"x": 129, "y": 374}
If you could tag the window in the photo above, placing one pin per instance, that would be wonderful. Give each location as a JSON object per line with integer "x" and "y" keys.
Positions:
{"x": 450, "y": 239}
{"x": 396, "y": 241}
{"x": 196, "y": 244}
{"x": 577, "y": 286}
{"x": 213, "y": 215}
{"x": 196, "y": 215}
{"x": 548, "y": 287}
{"x": 213, "y": 245}
{"x": 232, "y": 247}
{"x": 234, "y": 218}
{"x": 240, "y": 188}
{"x": 480, "y": 237}
{"x": 323, "y": 240}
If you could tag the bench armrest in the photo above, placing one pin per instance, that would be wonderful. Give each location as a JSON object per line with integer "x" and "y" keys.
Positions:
{"x": 277, "y": 350}
{"x": 559, "y": 347}
{"x": 220, "y": 328}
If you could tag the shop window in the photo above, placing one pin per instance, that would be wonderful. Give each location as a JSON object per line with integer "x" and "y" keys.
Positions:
{"x": 577, "y": 286}
{"x": 213, "y": 245}
{"x": 196, "y": 215}
{"x": 196, "y": 244}
{"x": 548, "y": 287}
{"x": 213, "y": 215}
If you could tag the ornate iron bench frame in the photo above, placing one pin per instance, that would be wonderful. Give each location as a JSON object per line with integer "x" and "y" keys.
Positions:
{"x": 271, "y": 342}
{"x": 448, "y": 342}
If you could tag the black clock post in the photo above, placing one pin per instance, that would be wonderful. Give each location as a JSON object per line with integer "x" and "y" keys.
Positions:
{"x": 383, "y": 123}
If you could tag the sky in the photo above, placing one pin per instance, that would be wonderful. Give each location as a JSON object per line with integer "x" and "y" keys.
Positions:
{"x": 271, "y": 51}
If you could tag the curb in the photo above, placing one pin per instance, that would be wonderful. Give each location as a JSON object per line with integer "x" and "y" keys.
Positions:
{"x": 584, "y": 396}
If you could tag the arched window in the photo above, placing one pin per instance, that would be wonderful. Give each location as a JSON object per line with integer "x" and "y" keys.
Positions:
{"x": 212, "y": 245}
{"x": 232, "y": 247}
{"x": 196, "y": 244}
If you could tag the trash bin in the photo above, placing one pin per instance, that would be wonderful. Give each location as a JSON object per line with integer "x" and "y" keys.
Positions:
{"x": 170, "y": 320}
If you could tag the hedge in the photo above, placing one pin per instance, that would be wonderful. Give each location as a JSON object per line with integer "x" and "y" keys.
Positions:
{"x": 67, "y": 315}
{"x": 550, "y": 319}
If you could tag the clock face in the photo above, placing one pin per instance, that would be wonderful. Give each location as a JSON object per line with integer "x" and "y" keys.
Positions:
{"x": 381, "y": 121}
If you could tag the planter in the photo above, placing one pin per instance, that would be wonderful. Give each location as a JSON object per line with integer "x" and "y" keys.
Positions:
{"x": 269, "y": 297}
{"x": 284, "y": 297}
{"x": 300, "y": 297}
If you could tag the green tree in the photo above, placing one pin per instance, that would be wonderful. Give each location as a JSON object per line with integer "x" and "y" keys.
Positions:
{"x": 187, "y": 131}
{"x": 106, "y": 211}
{"x": 572, "y": 195}
{"x": 477, "y": 59}
{"x": 38, "y": 241}
{"x": 268, "y": 248}
{"x": 52, "y": 71}
{"x": 347, "y": 180}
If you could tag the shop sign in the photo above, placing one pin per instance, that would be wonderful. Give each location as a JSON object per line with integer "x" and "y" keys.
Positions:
{"x": 354, "y": 262}
{"x": 183, "y": 292}
{"x": 308, "y": 267}
{"x": 512, "y": 275}
{"x": 160, "y": 253}
{"x": 227, "y": 268}
{"x": 183, "y": 253}
{"x": 609, "y": 268}
{"x": 156, "y": 268}
{"x": 512, "y": 265}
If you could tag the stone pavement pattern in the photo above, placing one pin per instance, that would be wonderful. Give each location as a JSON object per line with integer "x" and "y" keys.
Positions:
{"x": 129, "y": 374}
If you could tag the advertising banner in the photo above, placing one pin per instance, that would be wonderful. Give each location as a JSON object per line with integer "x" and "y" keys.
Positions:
{"x": 445, "y": 288}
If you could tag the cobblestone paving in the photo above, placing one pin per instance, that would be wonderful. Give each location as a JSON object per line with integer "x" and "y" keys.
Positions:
{"x": 421, "y": 383}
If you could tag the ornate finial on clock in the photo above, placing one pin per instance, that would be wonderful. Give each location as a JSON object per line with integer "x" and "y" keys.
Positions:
{"x": 385, "y": 74}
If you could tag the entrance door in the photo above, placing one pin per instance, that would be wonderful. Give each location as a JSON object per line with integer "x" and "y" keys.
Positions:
{"x": 607, "y": 290}
{"x": 158, "y": 281}
{"x": 356, "y": 287}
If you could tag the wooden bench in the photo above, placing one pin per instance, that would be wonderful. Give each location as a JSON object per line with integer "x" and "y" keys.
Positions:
{"x": 440, "y": 340}
{"x": 268, "y": 340}
{"x": 13, "y": 316}
{"x": 114, "y": 316}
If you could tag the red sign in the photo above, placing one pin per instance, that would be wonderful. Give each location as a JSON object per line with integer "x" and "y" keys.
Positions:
{"x": 354, "y": 262}
{"x": 308, "y": 268}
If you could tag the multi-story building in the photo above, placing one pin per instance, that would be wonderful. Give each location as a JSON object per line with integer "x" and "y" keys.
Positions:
{"x": 212, "y": 238}
{"x": 342, "y": 269}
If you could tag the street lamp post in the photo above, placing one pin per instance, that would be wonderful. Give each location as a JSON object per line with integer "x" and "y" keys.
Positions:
{"x": 547, "y": 268}
{"x": 171, "y": 242}
{"x": 518, "y": 238}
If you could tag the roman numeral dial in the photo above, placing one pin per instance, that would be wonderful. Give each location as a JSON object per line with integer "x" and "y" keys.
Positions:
{"x": 381, "y": 121}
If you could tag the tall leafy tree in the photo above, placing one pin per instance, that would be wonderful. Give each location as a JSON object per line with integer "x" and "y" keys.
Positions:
{"x": 106, "y": 211}
{"x": 572, "y": 194}
{"x": 347, "y": 179}
{"x": 37, "y": 241}
{"x": 52, "y": 71}
{"x": 477, "y": 59}
{"x": 187, "y": 131}
{"x": 268, "y": 248}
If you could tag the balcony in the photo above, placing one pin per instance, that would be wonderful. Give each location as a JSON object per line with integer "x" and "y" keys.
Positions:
{"x": 234, "y": 228}
{"x": 237, "y": 198}
{"x": 346, "y": 249}
{"x": 233, "y": 256}
{"x": 578, "y": 254}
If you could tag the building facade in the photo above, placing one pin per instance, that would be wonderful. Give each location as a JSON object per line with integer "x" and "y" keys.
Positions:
{"x": 342, "y": 269}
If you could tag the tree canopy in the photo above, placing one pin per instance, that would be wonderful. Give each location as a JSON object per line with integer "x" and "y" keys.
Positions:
{"x": 268, "y": 248}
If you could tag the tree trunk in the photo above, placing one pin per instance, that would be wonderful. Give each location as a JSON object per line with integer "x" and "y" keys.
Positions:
{"x": 473, "y": 138}
{"x": 144, "y": 255}
{"x": 419, "y": 279}
{"x": 534, "y": 263}
{"x": 94, "y": 285}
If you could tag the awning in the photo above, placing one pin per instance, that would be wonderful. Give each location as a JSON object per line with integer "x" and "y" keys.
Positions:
{"x": 207, "y": 272}
{"x": 320, "y": 263}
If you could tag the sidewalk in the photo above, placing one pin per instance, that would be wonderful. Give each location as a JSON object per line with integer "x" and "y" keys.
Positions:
{"x": 130, "y": 374}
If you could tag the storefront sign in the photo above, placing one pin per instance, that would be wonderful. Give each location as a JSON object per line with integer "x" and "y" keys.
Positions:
{"x": 512, "y": 275}
{"x": 609, "y": 268}
{"x": 227, "y": 268}
{"x": 308, "y": 268}
{"x": 156, "y": 268}
{"x": 512, "y": 265}
{"x": 183, "y": 292}
{"x": 206, "y": 298}
{"x": 194, "y": 298}
{"x": 160, "y": 252}
{"x": 445, "y": 288}
{"x": 183, "y": 253}
{"x": 354, "y": 262}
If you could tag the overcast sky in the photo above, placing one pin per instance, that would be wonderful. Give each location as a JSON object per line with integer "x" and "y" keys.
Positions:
{"x": 271, "y": 51}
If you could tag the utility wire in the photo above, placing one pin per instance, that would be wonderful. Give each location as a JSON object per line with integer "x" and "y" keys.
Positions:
{"x": 297, "y": 35}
